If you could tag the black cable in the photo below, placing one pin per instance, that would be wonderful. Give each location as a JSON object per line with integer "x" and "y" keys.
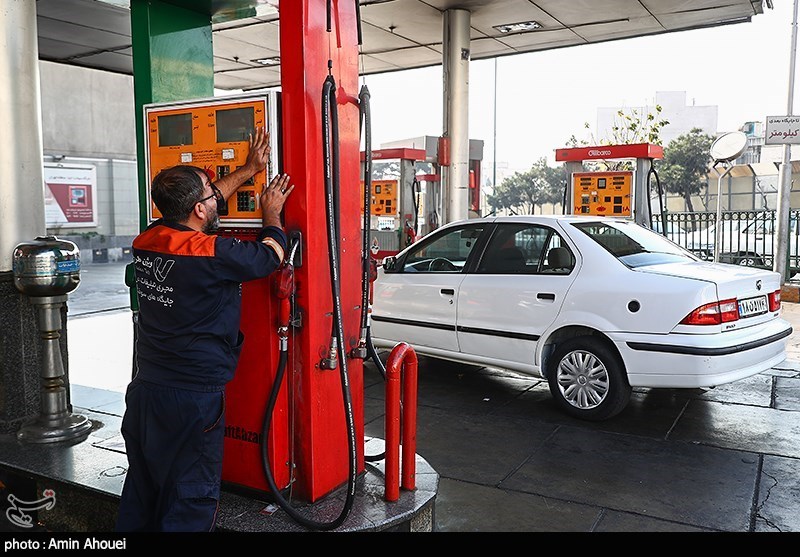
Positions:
{"x": 373, "y": 354}
{"x": 363, "y": 103}
{"x": 328, "y": 15}
{"x": 366, "y": 128}
{"x": 358, "y": 22}
{"x": 416, "y": 191}
{"x": 332, "y": 188}
{"x": 652, "y": 172}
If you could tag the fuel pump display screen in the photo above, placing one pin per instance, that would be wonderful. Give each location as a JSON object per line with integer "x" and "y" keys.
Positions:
{"x": 175, "y": 129}
{"x": 602, "y": 193}
{"x": 235, "y": 124}
{"x": 214, "y": 135}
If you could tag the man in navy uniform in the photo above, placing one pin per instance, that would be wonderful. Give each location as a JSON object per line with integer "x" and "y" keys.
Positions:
{"x": 188, "y": 282}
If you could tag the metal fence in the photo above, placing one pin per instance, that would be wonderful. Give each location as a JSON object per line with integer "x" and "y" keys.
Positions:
{"x": 746, "y": 237}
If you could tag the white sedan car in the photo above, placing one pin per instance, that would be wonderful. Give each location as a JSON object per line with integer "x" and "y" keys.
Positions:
{"x": 594, "y": 305}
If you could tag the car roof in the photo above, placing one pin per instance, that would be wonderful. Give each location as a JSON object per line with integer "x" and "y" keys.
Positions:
{"x": 541, "y": 219}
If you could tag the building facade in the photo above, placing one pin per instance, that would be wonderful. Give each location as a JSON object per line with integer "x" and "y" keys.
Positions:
{"x": 89, "y": 147}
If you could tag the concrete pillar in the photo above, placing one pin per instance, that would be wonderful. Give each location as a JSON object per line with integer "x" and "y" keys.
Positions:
{"x": 21, "y": 180}
{"x": 455, "y": 64}
{"x": 641, "y": 199}
{"x": 21, "y": 208}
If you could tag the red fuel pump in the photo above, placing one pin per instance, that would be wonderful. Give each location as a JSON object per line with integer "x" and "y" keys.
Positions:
{"x": 312, "y": 426}
{"x": 314, "y": 333}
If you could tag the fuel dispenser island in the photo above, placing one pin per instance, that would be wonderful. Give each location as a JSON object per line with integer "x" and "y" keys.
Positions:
{"x": 213, "y": 134}
{"x": 411, "y": 202}
{"x": 615, "y": 193}
{"x": 294, "y": 410}
{"x": 294, "y": 415}
{"x": 396, "y": 209}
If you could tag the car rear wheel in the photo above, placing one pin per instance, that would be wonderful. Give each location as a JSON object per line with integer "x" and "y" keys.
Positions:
{"x": 587, "y": 379}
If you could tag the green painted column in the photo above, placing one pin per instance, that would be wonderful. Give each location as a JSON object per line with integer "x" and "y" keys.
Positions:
{"x": 173, "y": 60}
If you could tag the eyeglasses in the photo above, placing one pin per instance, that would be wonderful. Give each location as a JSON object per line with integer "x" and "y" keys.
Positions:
{"x": 217, "y": 195}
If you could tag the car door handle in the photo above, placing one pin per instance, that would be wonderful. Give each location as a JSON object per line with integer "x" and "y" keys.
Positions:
{"x": 448, "y": 291}
{"x": 546, "y": 296}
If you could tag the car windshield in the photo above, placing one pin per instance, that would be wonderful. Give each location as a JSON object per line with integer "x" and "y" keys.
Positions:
{"x": 634, "y": 245}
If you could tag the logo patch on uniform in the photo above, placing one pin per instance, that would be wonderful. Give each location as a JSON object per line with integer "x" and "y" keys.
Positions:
{"x": 161, "y": 268}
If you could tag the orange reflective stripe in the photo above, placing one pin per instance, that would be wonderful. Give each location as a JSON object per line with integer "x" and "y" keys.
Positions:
{"x": 276, "y": 247}
{"x": 163, "y": 239}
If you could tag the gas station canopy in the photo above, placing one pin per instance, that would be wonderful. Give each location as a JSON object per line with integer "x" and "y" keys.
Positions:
{"x": 397, "y": 34}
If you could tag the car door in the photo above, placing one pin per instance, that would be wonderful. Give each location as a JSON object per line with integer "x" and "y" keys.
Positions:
{"x": 416, "y": 301}
{"x": 503, "y": 309}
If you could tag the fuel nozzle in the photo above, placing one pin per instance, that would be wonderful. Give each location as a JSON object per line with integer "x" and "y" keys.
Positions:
{"x": 283, "y": 283}
{"x": 283, "y": 287}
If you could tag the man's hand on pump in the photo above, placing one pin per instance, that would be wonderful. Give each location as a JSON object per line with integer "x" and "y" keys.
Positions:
{"x": 258, "y": 156}
{"x": 272, "y": 198}
{"x": 256, "y": 161}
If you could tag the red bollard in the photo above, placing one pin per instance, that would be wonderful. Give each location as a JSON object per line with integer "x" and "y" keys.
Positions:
{"x": 402, "y": 362}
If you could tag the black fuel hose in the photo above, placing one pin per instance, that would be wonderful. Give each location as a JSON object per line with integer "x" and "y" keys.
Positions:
{"x": 652, "y": 172}
{"x": 331, "y": 172}
{"x": 366, "y": 129}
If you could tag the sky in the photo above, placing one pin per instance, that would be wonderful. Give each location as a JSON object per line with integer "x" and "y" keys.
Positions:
{"x": 544, "y": 98}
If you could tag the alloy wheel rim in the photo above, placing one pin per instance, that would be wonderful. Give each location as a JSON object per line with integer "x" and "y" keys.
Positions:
{"x": 582, "y": 379}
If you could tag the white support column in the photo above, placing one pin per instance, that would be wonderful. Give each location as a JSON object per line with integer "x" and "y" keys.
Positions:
{"x": 780, "y": 261}
{"x": 641, "y": 197}
{"x": 21, "y": 179}
{"x": 455, "y": 65}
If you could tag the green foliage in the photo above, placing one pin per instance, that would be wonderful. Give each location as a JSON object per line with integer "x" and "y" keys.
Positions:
{"x": 521, "y": 192}
{"x": 629, "y": 127}
{"x": 684, "y": 169}
{"x": 635, "y": 127}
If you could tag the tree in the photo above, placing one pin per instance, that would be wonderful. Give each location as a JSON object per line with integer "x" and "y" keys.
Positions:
{"x": 521, "y": 192}
{"x": 684, "y": 170}
{"x": 633, "y": 127}
{"x": 629, "y": 127}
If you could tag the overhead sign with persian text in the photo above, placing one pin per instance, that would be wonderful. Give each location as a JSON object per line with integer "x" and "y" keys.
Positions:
{"x": 69, "y": 195}
{"x": 782, "y": 130}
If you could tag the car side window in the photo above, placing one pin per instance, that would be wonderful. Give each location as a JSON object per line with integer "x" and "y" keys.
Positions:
{"x": 446, "y": 253}
{"x": 521, "y": 249}
{"x": 558, "y": 258}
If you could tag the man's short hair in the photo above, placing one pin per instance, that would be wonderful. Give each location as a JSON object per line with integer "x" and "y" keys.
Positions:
{"x": 175, "y": 191}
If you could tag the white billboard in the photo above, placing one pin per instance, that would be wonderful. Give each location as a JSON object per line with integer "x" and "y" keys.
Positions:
{"x": 70, "y": 195}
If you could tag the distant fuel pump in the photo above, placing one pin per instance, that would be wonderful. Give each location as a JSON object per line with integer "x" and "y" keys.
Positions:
{"x": 615, "y": 193}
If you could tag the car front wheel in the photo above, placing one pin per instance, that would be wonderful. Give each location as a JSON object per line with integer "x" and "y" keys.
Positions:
{"x": 587, "y": 379}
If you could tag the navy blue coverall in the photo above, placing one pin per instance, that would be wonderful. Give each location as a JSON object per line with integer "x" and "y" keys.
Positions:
{"x": 189, "y": 291}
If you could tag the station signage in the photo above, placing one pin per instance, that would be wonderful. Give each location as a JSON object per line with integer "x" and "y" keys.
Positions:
{"x": 782, "y": 130}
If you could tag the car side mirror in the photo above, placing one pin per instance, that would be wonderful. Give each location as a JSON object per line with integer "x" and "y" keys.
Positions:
{"x": 389, "y": 264}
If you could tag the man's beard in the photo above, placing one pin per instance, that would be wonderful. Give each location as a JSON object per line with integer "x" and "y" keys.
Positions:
{"x": 212, "y": 224}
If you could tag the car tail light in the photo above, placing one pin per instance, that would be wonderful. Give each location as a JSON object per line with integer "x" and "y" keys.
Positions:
{"x": 714, "y": 313}
{"x": 774, "y": 300}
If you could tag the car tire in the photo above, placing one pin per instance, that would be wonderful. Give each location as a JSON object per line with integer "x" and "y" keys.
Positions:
{"x": 587, "y": 379}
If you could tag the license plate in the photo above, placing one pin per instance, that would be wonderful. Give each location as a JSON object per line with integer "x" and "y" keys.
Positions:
{"x": 752, "y": 306}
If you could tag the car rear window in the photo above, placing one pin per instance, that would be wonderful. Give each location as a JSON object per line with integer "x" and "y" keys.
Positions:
{"x": 634, "y": 245}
